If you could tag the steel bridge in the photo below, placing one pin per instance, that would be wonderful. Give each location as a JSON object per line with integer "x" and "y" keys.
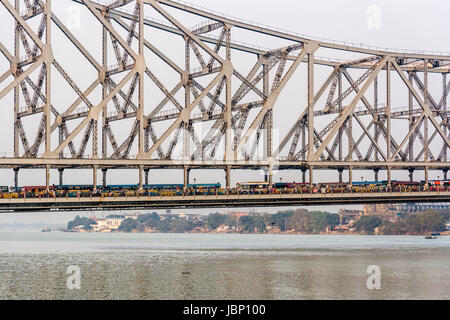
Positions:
{"x": 215, "y": 97}
{"x": 217, "y": 201}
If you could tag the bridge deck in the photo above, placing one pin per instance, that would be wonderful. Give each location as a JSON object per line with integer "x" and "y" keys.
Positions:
{"x": 215, "y": 201}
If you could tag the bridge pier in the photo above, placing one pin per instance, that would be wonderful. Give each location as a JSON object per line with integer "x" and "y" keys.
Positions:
{"x": 376, "y": 172}
{"x": 311, "y": 175}
{"x": 228, "y": 177}
{"x": 445, "y": 173}
{"x": 389, "y": 176}
{"x": 146, "y": 171}
{"x": 141, "y": 177}
{"x": 350, "y": 175}
{"x": 47, "y": 177}
{"x": 304, "y": 175}
{"x": 411, "y": 175}
{"x": 186, "y": 172}
{"x": 340, "y": 171}
{"x": 61, "y": 176}
{"x": 16, "y": 177}
{"x": 426, "y": 176}
{"x": 104, "y": 171}
{"x": 94, "y": 178}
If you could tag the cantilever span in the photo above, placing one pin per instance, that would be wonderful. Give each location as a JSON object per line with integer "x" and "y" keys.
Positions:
{"x": 171, "y": 88}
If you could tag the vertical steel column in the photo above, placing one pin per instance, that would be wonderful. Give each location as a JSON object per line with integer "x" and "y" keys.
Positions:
{"x": 425, "y": 126}
{"x": 94, "y": 178}
{"x": 104, "y": 93}
{"x": 47, "y": 177}
{"x": 16, "y": 177}
{"x": 304, "y": 175}
{"x": 61, "y": 176}
{"x": 104, "y": 171}
{"x": 444, "y": 106}
{"x": 376, "y": 127}
{"x": 140, "y": 112}
{"x": 16, "y": 88}
{"x": 411, "y": 122}
{"x": 228, "y": 177}
{"x": 388, "y": 111}
{"x": 186, "y": 172}
{"x": 377, "y": 171}
{"x": 310, "y": 106}
{"x": 350, "y": 175}
{"x": 146, "y": 172}
{"x": 268, "y": 124}
{"x": 48, "y": 70}
{"x": 411, "y": 175}
{"x": 340, "y": 171}
{"x": 228, "y": 106}
{"x": 141, "y": 176}
{"x": 187, "y": 101}
{"x": 389, "y": 175}
{"x": 341, "y": 131}
{"x": 311, "y": 115}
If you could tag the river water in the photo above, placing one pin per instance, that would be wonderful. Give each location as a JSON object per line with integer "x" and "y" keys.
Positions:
{"x": 34, "y": 265}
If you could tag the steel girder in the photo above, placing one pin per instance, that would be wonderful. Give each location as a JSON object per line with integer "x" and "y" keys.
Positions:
{"x": 336, "y": 125}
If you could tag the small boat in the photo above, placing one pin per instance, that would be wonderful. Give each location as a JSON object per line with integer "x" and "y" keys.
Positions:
{"x": 47, "y": 229}
{"x": 429, "y": 236}
{"x": 435, "y": 234}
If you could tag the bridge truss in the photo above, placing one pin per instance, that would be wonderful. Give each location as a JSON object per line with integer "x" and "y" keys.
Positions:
{"x": 218, "y": 113}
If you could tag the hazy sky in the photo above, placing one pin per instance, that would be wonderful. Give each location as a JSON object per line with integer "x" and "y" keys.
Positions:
{"x": 399, "y": 24}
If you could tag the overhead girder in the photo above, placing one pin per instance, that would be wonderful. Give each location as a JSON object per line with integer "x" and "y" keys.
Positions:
{"x": 218, "y": 99}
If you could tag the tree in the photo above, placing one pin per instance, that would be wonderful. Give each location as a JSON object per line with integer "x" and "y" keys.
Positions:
{"x": 78, "y": 221}
{"x": 367, "y": 224}
{"x": 128, "y": 225}
{"x": 215, "y": 220}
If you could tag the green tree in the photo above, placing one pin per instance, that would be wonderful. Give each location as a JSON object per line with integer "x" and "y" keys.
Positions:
{"x": 128, "y": 225}
{"x": 215, "y": 220}
{"x": 78, "y": 221}
{"x": 367, "y": 224}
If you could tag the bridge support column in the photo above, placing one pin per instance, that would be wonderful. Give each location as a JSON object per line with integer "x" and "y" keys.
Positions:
{"x": 426, "y": 176}
{"x": 228, "y": 177}
{"x": 411, "y": 175}
{"x": 377, "y": 175}
{"x": 47, "y": 177}
{"x": 61, "y": 176}
{"x": 389, "y": 176}
{"x": 94, "y": 178}
{"x": 16, "y": 177}
{"x": 311, "y": 175}
{"x": 266, "y": 175}
{"x": 146, "y": 171}
{"x": 141, "y": 176}
{"x": 304, "y": 175}
{"x": 445, "y": 174}
{"x": 104, "y": 171}
{"x": 186, "y": 172}
{"x": 340, "y": 171}
{"x": 350, "y": 175}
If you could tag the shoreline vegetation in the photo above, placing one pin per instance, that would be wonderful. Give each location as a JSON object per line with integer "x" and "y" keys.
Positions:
{"x": 300, "y": 221}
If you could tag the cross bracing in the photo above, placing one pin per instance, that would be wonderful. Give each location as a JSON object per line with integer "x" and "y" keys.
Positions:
{"x": 143, "y": 105}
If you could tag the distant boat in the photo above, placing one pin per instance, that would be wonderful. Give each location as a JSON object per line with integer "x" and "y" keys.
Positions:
{"x": 435, "y": 234}
{"x": 430, "y": 236}
{"x": 46, "y": 230}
